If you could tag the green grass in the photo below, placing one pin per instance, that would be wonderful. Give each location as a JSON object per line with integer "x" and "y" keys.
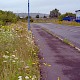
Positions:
{"x": 18, "y": 53}
{"x": 56, "y": 21}
{"x": 69, "y": 23}
{"x": 67, "y": 42}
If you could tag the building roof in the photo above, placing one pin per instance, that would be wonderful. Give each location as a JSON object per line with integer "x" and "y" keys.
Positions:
{"x": 77, "y": 10}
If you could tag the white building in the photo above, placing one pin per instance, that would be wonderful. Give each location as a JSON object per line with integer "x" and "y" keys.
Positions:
{"x": 78, "y": 15}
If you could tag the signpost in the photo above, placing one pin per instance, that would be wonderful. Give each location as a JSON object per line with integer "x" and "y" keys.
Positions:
{"x": 28, "y": 16}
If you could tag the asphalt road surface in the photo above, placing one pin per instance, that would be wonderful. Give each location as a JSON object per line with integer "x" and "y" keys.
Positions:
{"x": 58, "y": 61}
{"x": 69, "y": 32}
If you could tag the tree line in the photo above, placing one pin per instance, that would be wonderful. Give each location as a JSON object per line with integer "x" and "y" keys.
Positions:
{"x": 9, "y": 17}
{"x": 56, "y": 14}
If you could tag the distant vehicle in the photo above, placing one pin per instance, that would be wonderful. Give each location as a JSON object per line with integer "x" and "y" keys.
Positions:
{"x": 77, "y": 16}
{"x": 69, "y": 18}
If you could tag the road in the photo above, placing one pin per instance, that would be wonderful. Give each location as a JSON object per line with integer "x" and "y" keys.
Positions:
{"x": 58, "y": 61}
{"x": 69, "y": 32}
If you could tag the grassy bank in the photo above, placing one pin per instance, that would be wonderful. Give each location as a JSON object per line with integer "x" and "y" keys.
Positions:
{"x": 69, "y": 23}
{"x": 56, "y": 21}
{"x": 18, "y": 53}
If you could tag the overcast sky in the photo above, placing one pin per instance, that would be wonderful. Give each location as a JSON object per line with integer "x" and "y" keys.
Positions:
{"x": 40, "y": 6}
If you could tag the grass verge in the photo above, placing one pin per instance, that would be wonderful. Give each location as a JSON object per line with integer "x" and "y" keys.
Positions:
{"x": 66, "y": 41}
{"x": 56, "y": 21}
{"x": 18, "y": 53}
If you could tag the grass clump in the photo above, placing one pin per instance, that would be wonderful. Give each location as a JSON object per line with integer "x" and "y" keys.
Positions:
{"x": 18, "y": 53}
{"x": 68, "y": 42}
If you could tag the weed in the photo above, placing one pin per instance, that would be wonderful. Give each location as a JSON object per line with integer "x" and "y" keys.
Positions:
{"x": 17, "y": 53}
{"x": 68, "y": 42}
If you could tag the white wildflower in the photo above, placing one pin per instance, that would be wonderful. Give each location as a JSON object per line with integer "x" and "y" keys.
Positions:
{"x": 32, "y": 41}
{"x": 33, "y": 79}
{"x": 15, "y": 58}
{"x": 19, "y": 69}
{"x": 18, "y": 36}
{"x": 26, "y": 43}
{"x": 34, "y": 53}
{"x": 7, "y": 51}
{"x": 26, "y": 77}
{"x": 27, "y": 67}
{"x": 14, "y": 51}
{"x": 11, "y": 35}
{"x": 13, "y": 61}
{"x": 34, "y": 76}
{"x": 20, "y": 78}
{"x": 21, "y": 61}
{"x": 28, "y": 37}
{"x": 4, "y": 61}
{"x": 13, "y": 29}
{"x": 13, "y": 55}
{"x": 4, "y": 32}
{"x": 5, "y": 56}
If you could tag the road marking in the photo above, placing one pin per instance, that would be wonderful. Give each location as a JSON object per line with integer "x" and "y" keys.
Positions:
{"x": 61, "y": 38}
{"x": 77, "y": 48}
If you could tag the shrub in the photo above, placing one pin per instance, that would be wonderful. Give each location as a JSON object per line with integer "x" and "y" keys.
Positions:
{"x": 1, "y": 23}
{"x": 37, "y": 16}
{"x": 65, "y": 15}
{"x": 7, "y": 16}
{"x": 31, "y": 20}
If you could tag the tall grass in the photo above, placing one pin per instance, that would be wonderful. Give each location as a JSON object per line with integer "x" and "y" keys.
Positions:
{"x": 18, "y": 53}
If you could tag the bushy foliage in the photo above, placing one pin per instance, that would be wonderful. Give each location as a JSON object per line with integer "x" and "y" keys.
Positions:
{"x": 7, "y": 16}
{"x": 44, "y": 16}
{"x": 1, "y": 23}
{"x": 37, "y": 16}
{"x": 65, "y": 15}
{"x": 31, "y": 19}
{"x": 54, "y": 13}
{"x": 27, "y": 17}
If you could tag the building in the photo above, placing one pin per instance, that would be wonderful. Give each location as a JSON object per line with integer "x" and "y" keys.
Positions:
{"x": 77, "y": 15}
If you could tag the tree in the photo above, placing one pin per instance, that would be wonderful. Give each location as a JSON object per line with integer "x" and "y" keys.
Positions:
{"x": 27, "y": 17}
{"x": 54, "y": 13}
{"x": 31, "y": 19}
{"x": 44, "y": 16}
{"x": 37, "y": 16}
{"x": 67, "y": 15}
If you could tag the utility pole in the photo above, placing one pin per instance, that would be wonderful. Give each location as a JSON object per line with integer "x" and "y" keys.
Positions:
{"x": 28, "y": 16}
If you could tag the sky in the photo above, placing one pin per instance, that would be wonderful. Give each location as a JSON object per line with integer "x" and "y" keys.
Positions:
{"x": 40, "y": 6}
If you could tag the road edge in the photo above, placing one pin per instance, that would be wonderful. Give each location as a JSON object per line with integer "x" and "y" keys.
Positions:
{"x": 68, "y": 43}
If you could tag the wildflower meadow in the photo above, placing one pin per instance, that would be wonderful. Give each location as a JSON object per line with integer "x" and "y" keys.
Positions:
{"x": 18, "y": 53}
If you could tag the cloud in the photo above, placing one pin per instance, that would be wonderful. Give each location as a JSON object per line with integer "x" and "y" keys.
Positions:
{"x": 42, "y": 6}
